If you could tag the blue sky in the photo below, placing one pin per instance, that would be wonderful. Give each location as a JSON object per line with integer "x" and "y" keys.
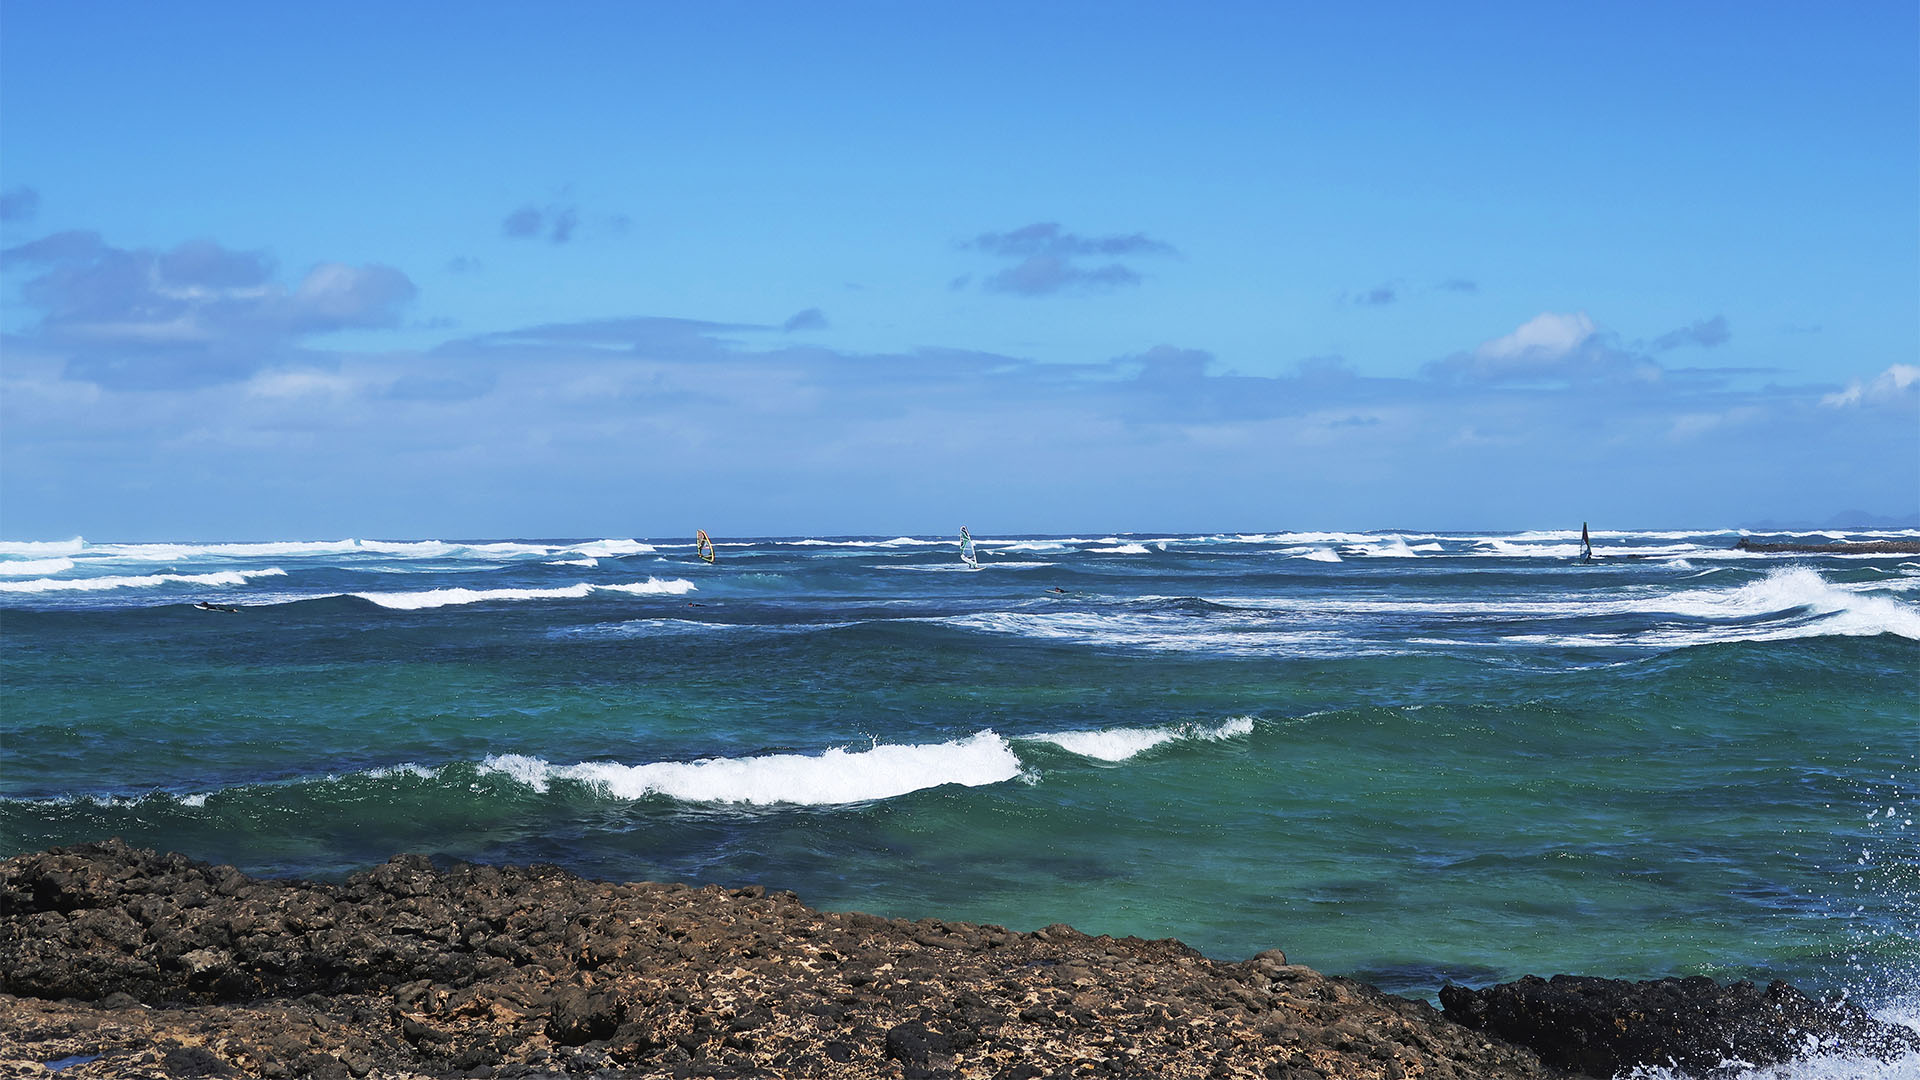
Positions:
{"x": 462, "y": 270}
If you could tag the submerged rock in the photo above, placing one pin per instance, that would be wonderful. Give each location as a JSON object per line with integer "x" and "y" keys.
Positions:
{"x": 1602, "y": 1027}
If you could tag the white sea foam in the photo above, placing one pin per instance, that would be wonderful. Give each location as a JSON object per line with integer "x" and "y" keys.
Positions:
{"x": 638, "y": 628}
{"x": 612, "y": 549}
{"x": 1817, "y": 1064}
{"x": 837, "y": 777}
{"x": 573, "y": 562}
{"x": 24, "y": 567}
{"x": 1392, "y": 548}
{"x": 985, "y": 564}
{"x": 406, "y": 769}
{"x": 1226, "y": 635}
{"x": 147, "y": 581}
{"x": 1841, "y": 610}
{"x": 652, "y": 587}
{"x": 42, "y": 548}
{"x": 1120, "y": 549}
{"x": 1119, "y": 744}
{"x": 1321, "y": 554}
{"x": 437, "y": 598}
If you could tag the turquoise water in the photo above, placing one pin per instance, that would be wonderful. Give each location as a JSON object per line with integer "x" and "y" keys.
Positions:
{"x": 1406, "y": 757}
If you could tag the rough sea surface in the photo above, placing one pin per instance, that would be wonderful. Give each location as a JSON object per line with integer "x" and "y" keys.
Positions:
{"x": 1408, "y": 757}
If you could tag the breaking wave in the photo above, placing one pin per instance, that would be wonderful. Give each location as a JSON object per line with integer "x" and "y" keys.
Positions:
{"x": 836, "y": 777}
{"x": 1119, "y": 744}
{"x": 146, "y": 581}
{"x": 437, "y": 598}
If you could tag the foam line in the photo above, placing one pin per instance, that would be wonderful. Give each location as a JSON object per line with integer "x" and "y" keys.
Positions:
{"x": 437, "y": 598}
{"x": 148, "y": 581}
{"x": 1119, "y": 744}
{"x": 836, "y": 777}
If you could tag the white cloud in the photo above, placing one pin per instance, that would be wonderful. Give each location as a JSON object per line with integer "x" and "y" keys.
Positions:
{"x": 1888, "y": 386}
{"x": 293, "y": 384}
{"x": 1546, "y": 337}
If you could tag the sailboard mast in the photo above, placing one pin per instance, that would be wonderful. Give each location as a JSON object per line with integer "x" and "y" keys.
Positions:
{"x": 967, "y": 554}
{"x": 703, "y": 545}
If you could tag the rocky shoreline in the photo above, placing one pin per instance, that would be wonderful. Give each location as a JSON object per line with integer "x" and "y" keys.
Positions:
{"x": 120, "y": 962}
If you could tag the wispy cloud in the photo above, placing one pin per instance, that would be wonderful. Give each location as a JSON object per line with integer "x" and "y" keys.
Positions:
{"x": 1049, "y": 260}
{"x": 1706, "y": 333}
{"x": 19, "y": 204}
{"x": 1899, "y": 383}
{"x": 555, "y": 222}
{"x": 194, "y": 314}
{"x": 810, "y": 319}
{"x": 1552, "y": 347}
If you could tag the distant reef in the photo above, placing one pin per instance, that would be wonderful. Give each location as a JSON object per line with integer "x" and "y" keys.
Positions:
{"x": 1864, "y": 547}
{"x": 120, "y": 962}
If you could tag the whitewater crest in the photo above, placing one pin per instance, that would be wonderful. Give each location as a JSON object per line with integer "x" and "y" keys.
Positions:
{"x": 1119, "y": 744}
{"x": 438, "y": 598}
{"x": 144, "y": 581}
{"x": 837, "y": 777}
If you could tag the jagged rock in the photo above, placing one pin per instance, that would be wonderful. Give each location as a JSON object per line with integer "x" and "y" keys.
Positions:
{"x": 116, "y": 957}
{"x": 1601, "y": 1027}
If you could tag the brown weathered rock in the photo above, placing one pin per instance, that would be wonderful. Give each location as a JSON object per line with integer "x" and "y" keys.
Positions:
{"x": 167, "y": 966}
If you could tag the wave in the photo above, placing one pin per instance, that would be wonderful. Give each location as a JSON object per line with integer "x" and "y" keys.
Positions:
{"x": 1231, "y": 634}
{"x": 1837, "y": 610}
{"x": 836, "y": 777}
{"x": 148, "y": 581}
{"x": 1120, "y": 549}
{"x": 612, "y": 549}
{"x": 1119, "y": 744}
{"x": 436, "y": 598}
{"x": 279, "y": 549}
{"x": 985, "y": 564}
{"x": 1319, "y": 555}
{"x": 42, "y": 548}
{"x": 23, "y": 567}
{"x": 1391, "y": 548}
{"x": 839, "y": 776}
{"x": 1817, "y": 1063}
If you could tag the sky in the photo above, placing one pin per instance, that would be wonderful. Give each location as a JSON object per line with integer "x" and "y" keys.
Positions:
{"x": 608, "y": 269}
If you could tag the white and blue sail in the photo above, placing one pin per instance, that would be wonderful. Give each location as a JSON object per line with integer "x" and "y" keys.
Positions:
{"x": 967, "y": 553}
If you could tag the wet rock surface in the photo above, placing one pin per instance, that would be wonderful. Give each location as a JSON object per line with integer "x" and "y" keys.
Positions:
{"x": 119, "y": 962}
{"x": 1602, "y": 1027}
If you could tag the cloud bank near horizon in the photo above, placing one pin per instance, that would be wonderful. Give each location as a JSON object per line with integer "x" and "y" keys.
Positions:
{"x": 197, "y": 376}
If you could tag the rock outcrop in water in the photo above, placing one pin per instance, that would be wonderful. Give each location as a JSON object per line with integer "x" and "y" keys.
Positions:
{"x": 118, "y": 962}
{"x": 1603, "y": 1027}
{"x": 1865, "y": 547}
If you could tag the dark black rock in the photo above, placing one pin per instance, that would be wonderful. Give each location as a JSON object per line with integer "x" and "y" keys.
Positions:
{"x": 1600, "y": 1027}
{"x": 917, "y": 1044}
{"x": 581, "y": 1016}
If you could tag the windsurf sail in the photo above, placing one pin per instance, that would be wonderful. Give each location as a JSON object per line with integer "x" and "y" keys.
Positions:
{"x": 1586, "y": 545}
{"x": 703, "y": 545}
{"x": 967, "y": 554}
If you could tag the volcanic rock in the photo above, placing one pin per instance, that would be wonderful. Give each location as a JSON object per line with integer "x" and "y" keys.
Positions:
{"x": 1602, "y": 1027}
{"x": 126, "y": 963}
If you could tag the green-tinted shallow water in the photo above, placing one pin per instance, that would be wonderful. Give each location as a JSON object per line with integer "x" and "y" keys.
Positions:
{"x": 1438, "y": 757}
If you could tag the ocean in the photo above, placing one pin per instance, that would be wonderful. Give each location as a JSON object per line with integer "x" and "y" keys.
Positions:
{"x": 1406, "y": 757}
